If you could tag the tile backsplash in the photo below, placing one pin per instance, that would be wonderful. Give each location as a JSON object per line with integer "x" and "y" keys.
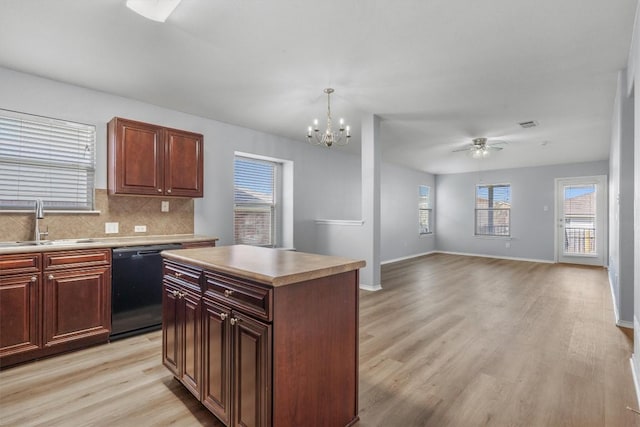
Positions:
{"x": 128, "y": 211}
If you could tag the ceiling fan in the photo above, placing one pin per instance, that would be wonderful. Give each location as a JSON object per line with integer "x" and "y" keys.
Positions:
{"x": 479, "y": 148}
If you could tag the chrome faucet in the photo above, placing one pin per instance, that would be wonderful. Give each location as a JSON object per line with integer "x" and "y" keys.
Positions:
{"x": 39, "y": 214}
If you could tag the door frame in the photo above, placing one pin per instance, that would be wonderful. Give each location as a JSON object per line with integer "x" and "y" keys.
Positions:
{"x": 602, "y": 188}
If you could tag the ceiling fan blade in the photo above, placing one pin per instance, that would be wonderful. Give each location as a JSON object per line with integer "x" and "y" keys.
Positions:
{"x": 494, "y": 148}
{"x": 461, "y": 149}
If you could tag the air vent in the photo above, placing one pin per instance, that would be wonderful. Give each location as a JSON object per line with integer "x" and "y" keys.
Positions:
{"x": 529, "y": 124}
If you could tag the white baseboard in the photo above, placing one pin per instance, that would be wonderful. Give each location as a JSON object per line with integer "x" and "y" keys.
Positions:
{"x": 546, "y": 261}
{"x": 371, "y": 288}
{"x": 622, "y": 323}
{"x": 635, "y": 379}
{"x": 391, "y": 261}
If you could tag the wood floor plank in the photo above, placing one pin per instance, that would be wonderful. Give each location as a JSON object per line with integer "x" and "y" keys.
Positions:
{"x": 449, "y": 341}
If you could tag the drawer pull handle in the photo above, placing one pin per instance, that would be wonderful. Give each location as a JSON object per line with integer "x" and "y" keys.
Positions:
{"x": 178, "y": 275}
{"x": 235, "y": 321}
{"x": 51, "y": 277}
{"x": 34, "y": 278}
{"x": 223, "y": 316}
{"x": 228, "y": 292}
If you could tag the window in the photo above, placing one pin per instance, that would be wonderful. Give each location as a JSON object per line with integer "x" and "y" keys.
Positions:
{"x": 255, "y": 201}
{"x": 424, "y": 210}
{"x": 493, "y": 210}
{"x": 48, "y": 159}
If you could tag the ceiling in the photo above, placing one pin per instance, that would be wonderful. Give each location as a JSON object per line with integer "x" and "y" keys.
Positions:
{"x": 437, "y": 72}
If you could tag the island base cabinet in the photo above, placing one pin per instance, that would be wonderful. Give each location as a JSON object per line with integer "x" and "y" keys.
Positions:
{"x": 216, "y": 384}
{"x": 251, "y": 372}
{"x": 181, "y": 336}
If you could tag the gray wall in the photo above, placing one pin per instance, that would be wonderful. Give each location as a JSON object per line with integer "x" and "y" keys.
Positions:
{"x": 399, "y": 212}
{"x": 621, "y": 188}
{"x": 532, "y": 227}
{"x": 327, "y": 183}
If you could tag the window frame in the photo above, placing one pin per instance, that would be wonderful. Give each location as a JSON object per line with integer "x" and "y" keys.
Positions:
{"x": 492, "y": 210}
{"x": 39, "y": 156}
{"x": 428, "y": 209}
{"x": 273, "y": 208}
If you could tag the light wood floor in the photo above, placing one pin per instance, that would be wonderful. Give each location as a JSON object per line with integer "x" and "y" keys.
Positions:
{"x": 450, "y": 341}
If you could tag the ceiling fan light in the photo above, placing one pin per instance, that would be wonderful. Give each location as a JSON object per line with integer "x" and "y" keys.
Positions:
{"x": 156, "y": 10}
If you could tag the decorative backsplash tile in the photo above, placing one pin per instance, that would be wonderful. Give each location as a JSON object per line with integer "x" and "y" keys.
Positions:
{"x": 128, "y": 211}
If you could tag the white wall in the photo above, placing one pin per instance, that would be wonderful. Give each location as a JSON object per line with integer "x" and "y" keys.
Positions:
{"x": 621, "y": 205}
{"x": 532, "y": 227}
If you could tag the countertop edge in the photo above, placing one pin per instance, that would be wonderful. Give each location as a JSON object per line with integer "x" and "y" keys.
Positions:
{"x": 110, "y": 242}
{"x": 276, "y": 281}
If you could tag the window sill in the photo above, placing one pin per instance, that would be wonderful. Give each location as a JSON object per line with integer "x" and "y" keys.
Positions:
{"x": 478, "y": 236}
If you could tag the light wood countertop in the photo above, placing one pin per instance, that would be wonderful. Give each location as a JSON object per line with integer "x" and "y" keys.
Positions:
{"x": 106, "y": 242}
{"x": 269, "y": 266}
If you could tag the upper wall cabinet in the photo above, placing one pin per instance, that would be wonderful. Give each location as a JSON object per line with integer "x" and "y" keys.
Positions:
{"x": 146, "y": 159}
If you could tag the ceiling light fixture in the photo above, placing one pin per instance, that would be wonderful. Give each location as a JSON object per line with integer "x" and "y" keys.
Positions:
{"x": 329, "y": 137}
{"x": 156, "y": 10}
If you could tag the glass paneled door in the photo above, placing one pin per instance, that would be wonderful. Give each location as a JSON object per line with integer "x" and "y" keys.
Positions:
{"x": 580, "y": 208}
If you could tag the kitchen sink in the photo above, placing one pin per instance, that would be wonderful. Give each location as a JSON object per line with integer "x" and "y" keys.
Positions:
{"x": 46, "y": 242}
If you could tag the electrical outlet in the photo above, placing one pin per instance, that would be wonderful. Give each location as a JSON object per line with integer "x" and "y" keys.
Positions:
{"x": 164, "y": 206}
{"x": 139, "y": 228}
{"x": 111, "y": 227}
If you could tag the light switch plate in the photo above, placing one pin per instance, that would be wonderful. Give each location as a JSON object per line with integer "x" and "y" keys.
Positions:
{"x": 164, "y": 206}
{"x": 139, "y": 228}
{"x": 111, "y": 227}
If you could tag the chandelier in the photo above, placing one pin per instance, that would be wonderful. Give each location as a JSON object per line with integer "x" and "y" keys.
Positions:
{"x": 329, "y": 137}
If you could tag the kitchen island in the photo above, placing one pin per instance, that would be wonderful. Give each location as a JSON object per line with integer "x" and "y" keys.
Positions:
{"x": 264, "y": 337}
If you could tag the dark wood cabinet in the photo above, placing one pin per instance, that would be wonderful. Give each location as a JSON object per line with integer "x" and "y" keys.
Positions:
{"x": 147, "y": 159}
{"x": 271, "y": 355}
{"x": 182, "y": 326}
{"x": 61, "y": 305}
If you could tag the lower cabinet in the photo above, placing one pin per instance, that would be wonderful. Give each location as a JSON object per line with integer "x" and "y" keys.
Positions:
{"x": 237, "y": 366}
{"x": 181, "y": 332}
{"x": 53, "y": 302}
{"x": 257, "y": 355}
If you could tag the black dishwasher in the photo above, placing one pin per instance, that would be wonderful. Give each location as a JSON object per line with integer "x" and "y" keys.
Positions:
{"x": 136, "y": 289}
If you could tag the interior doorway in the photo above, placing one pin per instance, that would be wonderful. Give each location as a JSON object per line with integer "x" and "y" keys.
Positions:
{"x": 580, "y": 220}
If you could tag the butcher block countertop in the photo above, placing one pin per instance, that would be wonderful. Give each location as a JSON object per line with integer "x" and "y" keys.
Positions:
{"x": 265, "y": 265}
{"x": 100, "y": 242}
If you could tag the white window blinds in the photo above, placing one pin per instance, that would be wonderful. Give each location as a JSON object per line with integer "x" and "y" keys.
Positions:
{"x": 48, "y": 159}
{"x": 493, "y": 210}
{"x": 254, "y": 201}
{"x": 424, "y": 210}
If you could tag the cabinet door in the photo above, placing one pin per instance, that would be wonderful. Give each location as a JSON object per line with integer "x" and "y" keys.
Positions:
{"x": 19, "y": 314}
{"x": 252, "y": 371}
{"x": 171, "y": 329}
{"x": 136, "y": 158}
{"x": 183, "y": 163}
{"x": 77, "y": 304}
{"x": 192, "y": 343}
{"x": 216, "y": 382}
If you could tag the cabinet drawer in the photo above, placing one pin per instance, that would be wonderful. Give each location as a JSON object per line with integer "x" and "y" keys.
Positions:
{"x": 81, "y": 258}
{"x": 188, "y": 277}
{"x": 19, "y": 263}
{"x": 249, "y": 297}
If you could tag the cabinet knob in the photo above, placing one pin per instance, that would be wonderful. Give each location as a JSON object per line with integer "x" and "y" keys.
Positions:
{"x": 228, "y": 292}
{"x": 159, "y": 190}
{"x": 34, "y": 278}
{"x": 182, "y": 294}
{"x": 234, "y": 320}
{"x": 51, "y": 277}
{"x": 175, "y": 293}
{"x": 178, "y": 274}
{"x": 223, "y": 316}
{"x": 169, "y": 191}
